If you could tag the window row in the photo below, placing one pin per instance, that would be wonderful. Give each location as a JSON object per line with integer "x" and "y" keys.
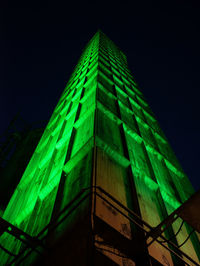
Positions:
{"x": 123, "y": 94}
{"x": 148, "y": 162}
{"x": 121, "y": 76}
{"x": 122, "y": 69}
{"x": 137, "y": 125}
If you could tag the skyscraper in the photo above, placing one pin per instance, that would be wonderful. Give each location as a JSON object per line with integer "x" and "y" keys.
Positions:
{"x": 101, "y": 176}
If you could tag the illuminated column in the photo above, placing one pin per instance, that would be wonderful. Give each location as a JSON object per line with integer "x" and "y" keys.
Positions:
{"x": 102, "y": 133}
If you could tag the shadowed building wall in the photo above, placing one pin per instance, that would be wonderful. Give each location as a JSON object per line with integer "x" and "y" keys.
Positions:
{"x": 16, "y": 148}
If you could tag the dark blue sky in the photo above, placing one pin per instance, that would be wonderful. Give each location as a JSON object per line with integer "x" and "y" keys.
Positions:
{"x": 41, "y": 45}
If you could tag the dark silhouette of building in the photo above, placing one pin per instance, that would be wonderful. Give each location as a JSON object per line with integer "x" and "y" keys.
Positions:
{"x": 17, "y": 145}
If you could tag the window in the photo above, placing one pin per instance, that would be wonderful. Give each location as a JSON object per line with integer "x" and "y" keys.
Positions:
{"x": 136, "y": 109}
{"x": 127, "y": 117}
{"x": 109, "y": 131}
{"x": 106, "y": 99}
{"x": 138, "y": 155}
{"x": 106, "y": 82}
{"x": 122, "y": 97}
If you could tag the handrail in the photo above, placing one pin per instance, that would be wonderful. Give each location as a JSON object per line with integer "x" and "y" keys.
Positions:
{"x": 52, "y": 222}
{"x": 145, "y": 223}
{"x": 129, "y": 218}
{"x": 55, "y": 223}
{"x": 63, "y": 210}
{"x": 124, "y": 207}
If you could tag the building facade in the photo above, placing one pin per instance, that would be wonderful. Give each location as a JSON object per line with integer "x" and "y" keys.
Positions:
{"x": 101, "y": 168}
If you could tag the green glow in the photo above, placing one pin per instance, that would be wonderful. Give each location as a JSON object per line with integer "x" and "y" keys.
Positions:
{"x": 101, "y": 105}
{"x": 78, "y": 156}
{"x": 112, "y": 152}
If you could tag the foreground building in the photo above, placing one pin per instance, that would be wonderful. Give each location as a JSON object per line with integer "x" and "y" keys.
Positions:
{"x": 102, "y": 176}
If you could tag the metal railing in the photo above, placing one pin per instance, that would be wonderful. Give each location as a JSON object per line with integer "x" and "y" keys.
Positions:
{"x": 33, "y": 243}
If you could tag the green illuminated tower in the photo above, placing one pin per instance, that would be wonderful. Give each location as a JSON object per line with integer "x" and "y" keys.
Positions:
{"x": 102, "y": 175}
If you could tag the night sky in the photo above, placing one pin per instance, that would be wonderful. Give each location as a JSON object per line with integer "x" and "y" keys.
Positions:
{"x": 40, "y": 47}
